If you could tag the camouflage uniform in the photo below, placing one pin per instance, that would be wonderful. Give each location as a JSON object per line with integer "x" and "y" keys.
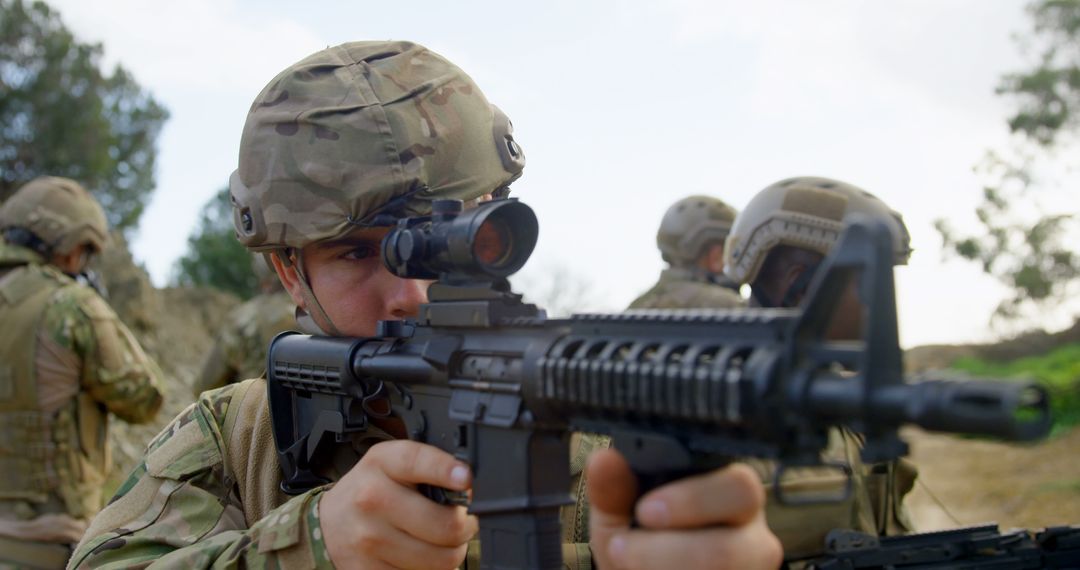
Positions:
{"x": 689, "y": 228}
{"x": 66, "y": 361}
{"x": 809, "y": 213}
{"x": 240, "y": 349}
{"x": 680, "y": 288}
{"x": 208, "y": 495}
{"x": 357, "y": 135}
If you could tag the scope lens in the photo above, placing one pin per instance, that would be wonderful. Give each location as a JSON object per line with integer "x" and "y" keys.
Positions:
{"x": 493, "y": 243}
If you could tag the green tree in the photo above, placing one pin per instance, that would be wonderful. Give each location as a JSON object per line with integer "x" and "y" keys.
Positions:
{"x": 1020, "y": 244}
{"x": 61, "y": 115}
{"x": 214, "y": 257}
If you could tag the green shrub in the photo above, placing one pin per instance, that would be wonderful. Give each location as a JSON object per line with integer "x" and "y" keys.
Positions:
{"x": 1058, "y": 371}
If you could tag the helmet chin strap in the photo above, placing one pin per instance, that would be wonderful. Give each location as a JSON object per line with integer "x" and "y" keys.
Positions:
{"x": 315, "y": 320}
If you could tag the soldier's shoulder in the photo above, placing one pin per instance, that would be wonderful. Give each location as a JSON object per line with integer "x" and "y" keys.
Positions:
{"x": 73, "y": 309}
{"x": 72, "y": 296}
{"x": 17, "y": 255}
{"x": 182, "y": 487}
{"x": 721, "y": 297}
{"x": 677, "y": 291}
{"x": 693, "y": 294}
{"x": 645, "y": 300}
{"x": 196, "y": 438}
{"x": 218, "y": 403}
{"x": 28, "y": 279}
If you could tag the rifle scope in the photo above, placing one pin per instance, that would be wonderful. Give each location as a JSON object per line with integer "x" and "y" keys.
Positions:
{"x": 490, "y": 241}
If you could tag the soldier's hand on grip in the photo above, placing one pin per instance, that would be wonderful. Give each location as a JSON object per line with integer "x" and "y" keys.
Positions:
{"x": 715, "y": 521}
{"x": 374, "y": 517}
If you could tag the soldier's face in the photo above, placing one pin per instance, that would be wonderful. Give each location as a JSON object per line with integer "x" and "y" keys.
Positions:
{"x": 74, "y": 261}
{"x": 352, "y": 285}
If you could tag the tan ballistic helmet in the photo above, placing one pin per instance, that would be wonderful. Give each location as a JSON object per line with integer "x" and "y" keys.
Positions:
{"x": 359, "y": 135}
{"x": 59, "y": 211}
{"x": 806, "y": 212}
{"x": 691, "y": 224}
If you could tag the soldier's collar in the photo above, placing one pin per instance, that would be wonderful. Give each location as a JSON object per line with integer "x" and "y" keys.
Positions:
{"x": 11, "y": 254}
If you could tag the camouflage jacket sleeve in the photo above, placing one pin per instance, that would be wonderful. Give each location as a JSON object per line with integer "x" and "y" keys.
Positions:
{"x": 115, "y": 370}
{"x": 180, "y": 508}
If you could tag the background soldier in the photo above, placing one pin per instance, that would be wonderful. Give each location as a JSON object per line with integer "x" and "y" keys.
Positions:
{"x": 691, "y": 241}
{"x": 335, "y": 150}
{"x": 775, "y": 246}
{"x": 239, "y": 350}
{"x": 65, "y": 362}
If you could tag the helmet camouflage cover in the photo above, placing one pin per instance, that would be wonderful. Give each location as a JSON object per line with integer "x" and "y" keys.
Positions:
{"x": 805, "y": 212}
{"x": 362, "y": 134}
{"x": 691, "y": 224}
{"x": 59, "y": 212}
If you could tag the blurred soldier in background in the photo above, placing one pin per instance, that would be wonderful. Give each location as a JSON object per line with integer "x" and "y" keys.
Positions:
{"x": 239, "y": 350}
{"x": 691, "y": 241}
{"x": 775, "y": 246}
{"x": 66, "y": 361}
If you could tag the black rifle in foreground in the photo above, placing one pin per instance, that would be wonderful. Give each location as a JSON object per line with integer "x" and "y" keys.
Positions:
{"x": 491, "y": 380}
{"x": 981, "y": 547}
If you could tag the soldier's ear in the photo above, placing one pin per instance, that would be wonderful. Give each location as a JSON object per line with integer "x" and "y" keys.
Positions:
{"x": 289, "y": 277}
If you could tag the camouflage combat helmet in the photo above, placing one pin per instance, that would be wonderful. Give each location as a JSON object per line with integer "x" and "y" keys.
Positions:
{"x": 57, "y": 211}
{"x": 806, "y": 212}
{"x": 689, "y": 225}
{"x": 359, "y": 135}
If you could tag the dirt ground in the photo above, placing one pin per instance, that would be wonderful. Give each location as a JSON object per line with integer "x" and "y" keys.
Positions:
{"x": 965, "y": 482}
{"x": 978, "y": 481}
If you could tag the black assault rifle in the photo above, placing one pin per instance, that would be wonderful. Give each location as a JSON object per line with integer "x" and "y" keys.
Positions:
{"x": 982, "y": 547}
{"x": 491, "y": 380}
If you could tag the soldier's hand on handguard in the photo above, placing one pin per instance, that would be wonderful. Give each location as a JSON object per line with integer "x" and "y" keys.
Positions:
{"x": 715, "y": 521}
{"x": 374, "y": 517}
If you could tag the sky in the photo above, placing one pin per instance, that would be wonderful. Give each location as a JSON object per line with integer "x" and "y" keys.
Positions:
{"x": 622, "y": 108}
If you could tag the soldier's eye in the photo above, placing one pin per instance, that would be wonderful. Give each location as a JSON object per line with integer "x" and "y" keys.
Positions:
{"x": 366, "y": 251}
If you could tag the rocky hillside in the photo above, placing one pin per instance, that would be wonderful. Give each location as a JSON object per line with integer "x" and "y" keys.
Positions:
{"x": 938, "y": 356}
{"x": 176, "y": 327}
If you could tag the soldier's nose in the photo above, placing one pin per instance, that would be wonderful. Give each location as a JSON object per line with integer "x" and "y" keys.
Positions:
{"x": 406, "y": 297}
